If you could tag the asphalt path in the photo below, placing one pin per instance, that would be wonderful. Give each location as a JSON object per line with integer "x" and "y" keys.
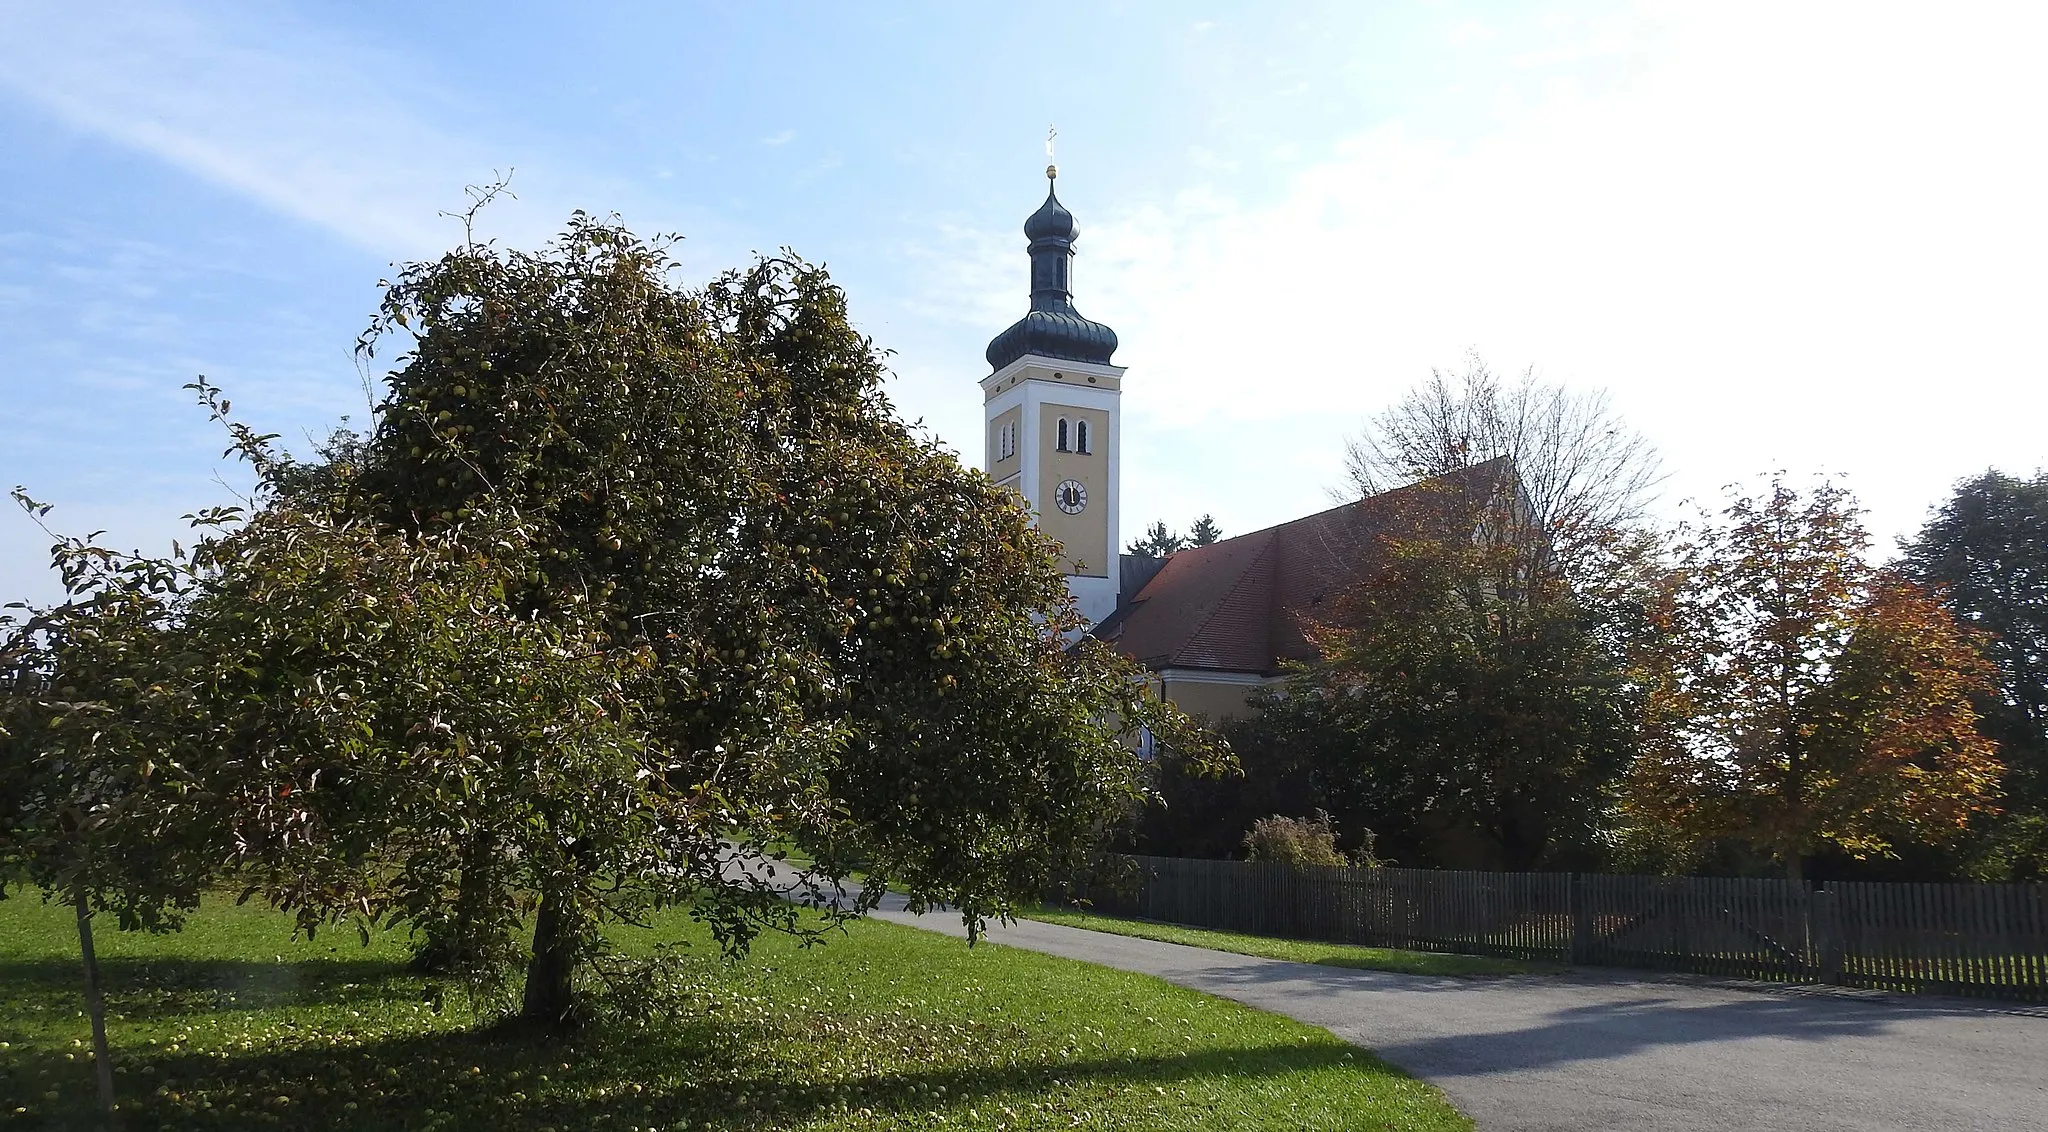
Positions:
{"x": 1597, "y": 1050}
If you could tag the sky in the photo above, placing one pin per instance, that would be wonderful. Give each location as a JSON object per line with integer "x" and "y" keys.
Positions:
{"x": 1805, "y": 237}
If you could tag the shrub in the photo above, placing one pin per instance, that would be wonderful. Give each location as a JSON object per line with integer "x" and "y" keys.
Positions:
{"x": 1294, "y": 841}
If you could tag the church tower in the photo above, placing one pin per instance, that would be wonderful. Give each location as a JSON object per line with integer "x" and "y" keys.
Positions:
{"x": 1050, "y": 401}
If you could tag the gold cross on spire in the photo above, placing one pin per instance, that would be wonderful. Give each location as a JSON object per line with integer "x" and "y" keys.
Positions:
{"x": 1051, "y": 170}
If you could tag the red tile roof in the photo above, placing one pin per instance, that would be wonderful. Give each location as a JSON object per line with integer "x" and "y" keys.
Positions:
{"x": 1240, "y": 604}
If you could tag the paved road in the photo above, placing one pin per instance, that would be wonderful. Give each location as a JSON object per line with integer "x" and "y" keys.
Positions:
{"x": 1588, "y": 1052}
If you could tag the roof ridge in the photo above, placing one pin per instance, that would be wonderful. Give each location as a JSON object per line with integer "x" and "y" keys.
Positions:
{"x": 1503, "y": 458}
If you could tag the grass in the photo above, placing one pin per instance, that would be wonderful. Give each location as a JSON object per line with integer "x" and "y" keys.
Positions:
{"x": 231, "y": 1024}
{"x": 1295, "y": 950}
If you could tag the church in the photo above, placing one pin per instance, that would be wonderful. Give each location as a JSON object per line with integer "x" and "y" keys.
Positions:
{"x": 1211, "y": 623}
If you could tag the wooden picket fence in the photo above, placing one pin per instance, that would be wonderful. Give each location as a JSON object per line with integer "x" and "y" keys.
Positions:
{"x": 1985, "y": 940}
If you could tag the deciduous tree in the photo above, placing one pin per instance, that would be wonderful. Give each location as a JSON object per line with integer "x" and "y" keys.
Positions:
{"x": 1804, "y": 698}
{"x": 1487, "y": 698}
{"x": 106, "y": 800}
{"x": 1477, "y": 667}
{"x": 1582, "y": 474}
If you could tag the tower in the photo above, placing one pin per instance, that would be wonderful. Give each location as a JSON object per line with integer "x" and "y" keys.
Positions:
{"x": 1051, "y": 406}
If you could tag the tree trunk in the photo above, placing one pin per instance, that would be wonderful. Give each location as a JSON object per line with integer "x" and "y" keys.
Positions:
{"x": 550, "y": 995}
{"x": 1795, "y": 864}
{"x": 456, "y": 946}
{"x": 95, "y": 1003}
{"x": 1793, "y": 842}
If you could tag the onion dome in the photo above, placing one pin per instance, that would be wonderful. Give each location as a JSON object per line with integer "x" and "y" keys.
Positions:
{"x": 1053, "y": 328}
{"x": 1052, "y": 221}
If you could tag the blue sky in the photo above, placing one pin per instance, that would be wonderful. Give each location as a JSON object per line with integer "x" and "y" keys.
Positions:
{"x": 1806, "y": 237}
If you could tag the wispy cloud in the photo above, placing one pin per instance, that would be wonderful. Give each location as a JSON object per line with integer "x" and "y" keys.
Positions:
{"x": 333, "y": 133}
{"x": 783, "y": 137}
{"x": 338, "y": 134}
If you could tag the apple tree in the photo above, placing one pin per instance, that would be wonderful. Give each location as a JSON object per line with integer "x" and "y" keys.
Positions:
{"x": 819, "y": 628}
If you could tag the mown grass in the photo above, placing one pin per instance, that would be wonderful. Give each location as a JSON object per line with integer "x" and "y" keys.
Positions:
{"x": 231, "y": 1024}
{"x": 1294, "y": 950}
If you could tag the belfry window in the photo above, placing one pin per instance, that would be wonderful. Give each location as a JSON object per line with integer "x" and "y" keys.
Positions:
{"x": 1081, "y": 437}
{"x": 1061, "y": 442}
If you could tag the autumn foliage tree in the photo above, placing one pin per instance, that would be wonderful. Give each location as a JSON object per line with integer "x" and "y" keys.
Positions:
{"x": 1803, "y": 699}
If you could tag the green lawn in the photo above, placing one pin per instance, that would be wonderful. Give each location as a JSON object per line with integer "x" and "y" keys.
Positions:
{"x": 1294, "y": 950}
{"x": 230, "y": 1024}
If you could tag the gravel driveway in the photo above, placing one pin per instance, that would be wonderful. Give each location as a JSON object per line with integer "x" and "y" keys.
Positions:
{"x": 1645, "y": 1054}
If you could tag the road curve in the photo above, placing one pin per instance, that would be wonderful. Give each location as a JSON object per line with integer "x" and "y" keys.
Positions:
{"x": 1593, "y": 1051}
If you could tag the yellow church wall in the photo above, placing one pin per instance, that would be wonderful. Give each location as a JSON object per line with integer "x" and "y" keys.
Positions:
{"x": 1213, "y": 700}
{"x": 1085, "y": 536}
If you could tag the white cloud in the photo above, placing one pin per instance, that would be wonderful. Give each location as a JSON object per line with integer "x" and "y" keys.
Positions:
{"x": 1789, "y": 237}
{"x": 782, "y": 138}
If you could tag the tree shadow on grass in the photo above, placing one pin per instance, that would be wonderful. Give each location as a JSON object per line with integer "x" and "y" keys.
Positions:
{"x": 695, "y": 1072}
{"x": 146, "y": 989}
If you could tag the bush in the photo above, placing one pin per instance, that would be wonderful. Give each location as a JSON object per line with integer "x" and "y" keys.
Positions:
{"x": 1294, "y": 841}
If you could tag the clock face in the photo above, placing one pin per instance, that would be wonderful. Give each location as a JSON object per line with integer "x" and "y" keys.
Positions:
{"x": 1070, "y": 496}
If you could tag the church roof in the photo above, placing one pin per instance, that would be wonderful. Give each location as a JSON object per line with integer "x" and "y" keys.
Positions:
{"x": 1062, "y": 334}
{"x": 1243, "y": 604}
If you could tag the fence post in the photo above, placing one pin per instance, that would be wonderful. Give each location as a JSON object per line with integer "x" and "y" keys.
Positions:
{"x": 1827, "y": 936}
{"x": 1581, "y": 911}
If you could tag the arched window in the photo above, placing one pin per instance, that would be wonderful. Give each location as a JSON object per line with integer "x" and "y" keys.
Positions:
{"x": 1081, "y": 437}
{"x": 1062, "y": 436}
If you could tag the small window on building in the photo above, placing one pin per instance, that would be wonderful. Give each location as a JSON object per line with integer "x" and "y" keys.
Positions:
{"x": 1062, "y": 436}
{"x": 1081, "y": 437}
